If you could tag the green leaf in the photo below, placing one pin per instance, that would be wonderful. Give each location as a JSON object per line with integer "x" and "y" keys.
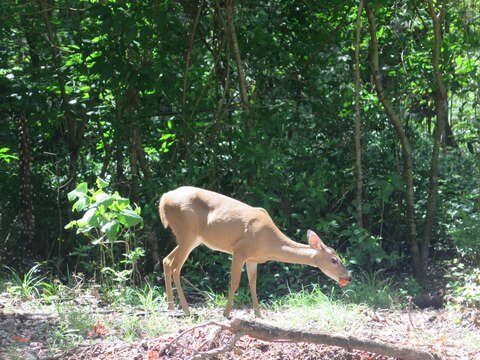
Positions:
{"x": 88, "y": 218}
{"x": 80, "y": 191}
{"x": 129, "y": 218}
{"x": 102, "y": 198}
{"x": 119, "y": 204}
{"x": 81, "y": 204}
{"x": 101, "y": 184}
{"x": 70, "y": 225}
{"x": 111, "y": 229}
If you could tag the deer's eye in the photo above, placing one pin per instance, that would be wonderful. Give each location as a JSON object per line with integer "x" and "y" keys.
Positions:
{"x": 334, "y": 260}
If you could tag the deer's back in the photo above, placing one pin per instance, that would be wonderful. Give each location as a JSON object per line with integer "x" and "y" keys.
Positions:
{"x": 214, "y": 219}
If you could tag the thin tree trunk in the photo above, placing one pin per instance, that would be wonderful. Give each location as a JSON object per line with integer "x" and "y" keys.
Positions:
{"x": 135, "y": 162}
{"x": 119, "y": 139}
{"x": 418, "y": 265}
{"x": 358, "y": 120}
{"x": 189, "y": 54}
{"x": 441, "y": 104}
{"x": 26, "y": 188}
{"x": 140, "y": 153}
{"x": 241, "y": 75}
{"x": 449, "y": 138}
{"x": 237, "y": 55}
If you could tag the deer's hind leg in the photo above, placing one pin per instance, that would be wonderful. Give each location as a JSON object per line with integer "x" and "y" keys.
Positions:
{"x": 167, "y": 270}
{"x": 238, "y": 261}
{"x": 177, "y": 263}
{"x": 252, "y": 282}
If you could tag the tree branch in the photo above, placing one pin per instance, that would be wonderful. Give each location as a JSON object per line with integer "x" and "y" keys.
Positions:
{"x": 270, "y": 333}
{"x": 273, "y": 333}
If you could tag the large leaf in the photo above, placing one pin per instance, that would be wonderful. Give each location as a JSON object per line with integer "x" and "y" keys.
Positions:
{"x": 129, "y": 218}
{"x": 104, "y": 199}
{"x": 80, "y": 204}
{"x": 102, "y": 184}
{"x": 88, "y": 218}
{"x": 79, "y": 192}
{"x": 111, "y": 229}
{"x": 71, "y": 224}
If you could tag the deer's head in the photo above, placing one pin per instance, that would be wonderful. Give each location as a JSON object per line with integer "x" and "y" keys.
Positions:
{"x": 327, "y": 260}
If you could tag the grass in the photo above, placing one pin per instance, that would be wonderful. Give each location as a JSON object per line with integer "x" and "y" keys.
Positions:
{"x": 378, "y": 291}
{"x": 27, "y": 285}
{"x": 314, "y": 309}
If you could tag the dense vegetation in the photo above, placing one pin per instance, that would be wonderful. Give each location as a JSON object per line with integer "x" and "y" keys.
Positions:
{"x": 116, "y": 102}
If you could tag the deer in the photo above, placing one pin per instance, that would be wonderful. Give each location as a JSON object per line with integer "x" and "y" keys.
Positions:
{"x": 197, "y": 216}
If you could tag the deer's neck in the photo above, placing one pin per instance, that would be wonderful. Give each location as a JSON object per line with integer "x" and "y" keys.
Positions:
{"x": 294, "y": 253}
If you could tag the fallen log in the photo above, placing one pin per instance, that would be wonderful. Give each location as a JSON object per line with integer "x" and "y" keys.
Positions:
{"x": 272, "y": 333}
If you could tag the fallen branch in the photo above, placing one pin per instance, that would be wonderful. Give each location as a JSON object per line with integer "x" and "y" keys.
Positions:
{"x": 270, "y": 333}
{"x": 273, "y": 333}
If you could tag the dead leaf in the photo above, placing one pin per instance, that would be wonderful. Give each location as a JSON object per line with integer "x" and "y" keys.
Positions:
{"x": 152, "y": 355}
{"x": 442, "y": 340}
{"x": 20, "y": 339}
{"x": 99, "y": 329}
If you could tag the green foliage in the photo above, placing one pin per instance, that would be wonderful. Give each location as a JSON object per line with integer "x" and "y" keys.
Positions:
{"x": 464, "y": 227}
{"x": 365, "y": 250}
{"x": 107, "y": 216}
{"x": 4, "y": 156}
{"x": 108, "y": 221}
{"x": 463, "y": 283}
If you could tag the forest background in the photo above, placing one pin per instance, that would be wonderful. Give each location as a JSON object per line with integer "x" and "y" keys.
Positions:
{"x": 362, "y": 124}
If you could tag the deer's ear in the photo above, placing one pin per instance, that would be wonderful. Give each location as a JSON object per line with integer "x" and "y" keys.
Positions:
{"x": 314, "y": 240}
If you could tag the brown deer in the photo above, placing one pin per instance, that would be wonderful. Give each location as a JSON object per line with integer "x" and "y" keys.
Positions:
{"x": 197, "y": 216}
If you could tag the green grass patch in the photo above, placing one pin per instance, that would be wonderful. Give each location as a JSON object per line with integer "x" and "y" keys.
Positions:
{"x": 313, "y": 308}
{"x": 379, "y": 291}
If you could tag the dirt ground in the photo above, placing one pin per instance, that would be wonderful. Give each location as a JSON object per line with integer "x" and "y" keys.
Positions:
{"x": 453, "y": 334}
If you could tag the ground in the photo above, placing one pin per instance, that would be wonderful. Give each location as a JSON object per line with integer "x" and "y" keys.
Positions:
{"x": 25, "y": 333}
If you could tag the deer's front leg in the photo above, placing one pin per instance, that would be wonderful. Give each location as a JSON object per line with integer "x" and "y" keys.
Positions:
{"x": 237, "y": 265}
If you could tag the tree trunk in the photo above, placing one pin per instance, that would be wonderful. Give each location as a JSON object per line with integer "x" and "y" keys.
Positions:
{"x": 241, "y": 77}
{"x": 449, "y": 138}
{"x": 188, "y": 55}
{"x": 358, "y": 124}
{"x": 27, "y": 218}
{"x": 236, "y": 52}
{"x": 441, "y": 104}
{"x": 418, "y": 264}
{"x": 134, "y": 163}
